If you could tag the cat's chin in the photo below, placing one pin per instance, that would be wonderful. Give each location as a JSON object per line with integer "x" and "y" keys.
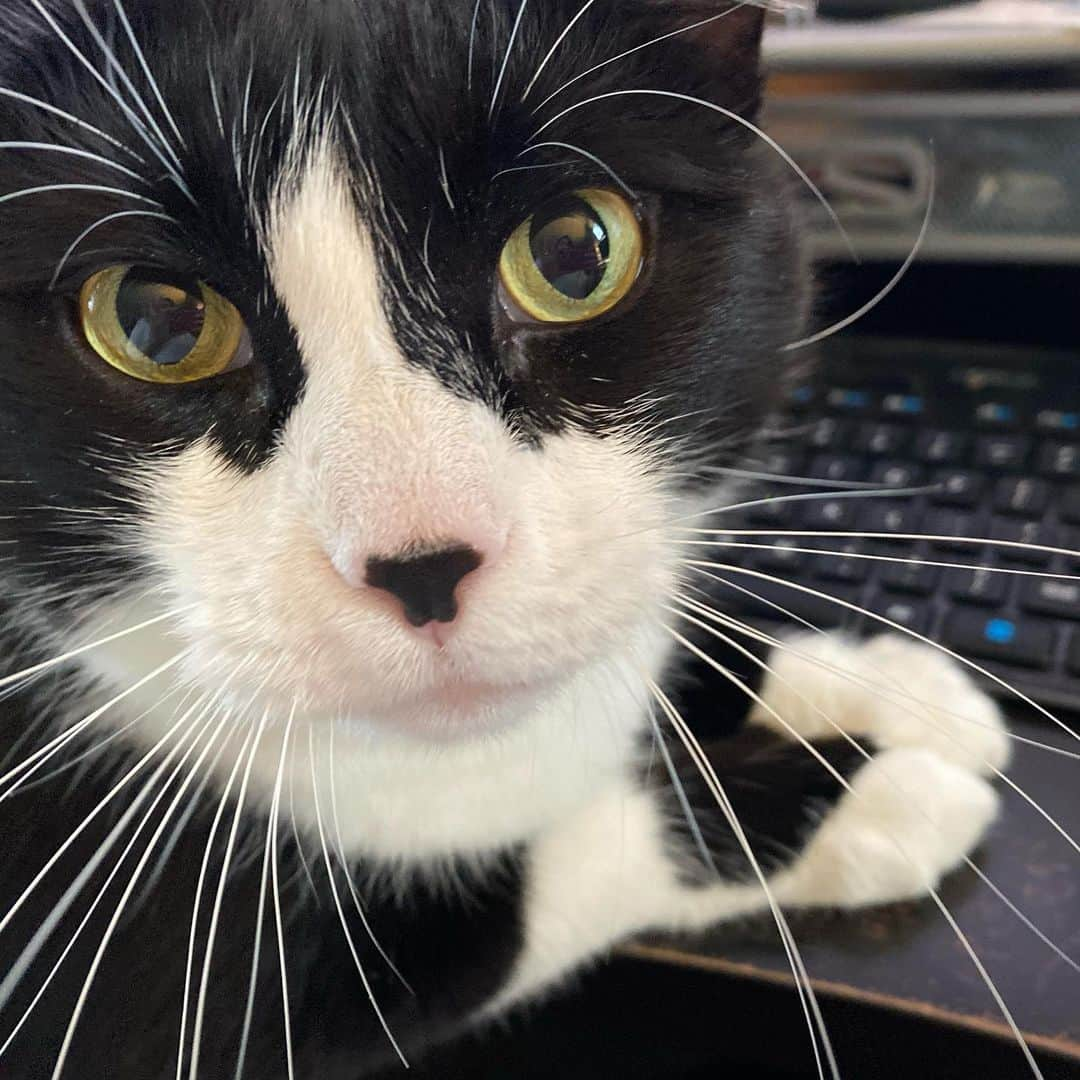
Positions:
{"x": 459, "y": 710}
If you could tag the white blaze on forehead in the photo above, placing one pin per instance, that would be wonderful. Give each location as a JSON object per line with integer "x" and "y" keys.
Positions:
{"x": 396, "y": 459}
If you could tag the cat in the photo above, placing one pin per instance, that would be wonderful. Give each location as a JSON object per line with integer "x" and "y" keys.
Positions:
{"x": 364, "y": 367}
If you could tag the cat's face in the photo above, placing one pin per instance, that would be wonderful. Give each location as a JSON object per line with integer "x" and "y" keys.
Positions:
{"x": 375, "y": 392}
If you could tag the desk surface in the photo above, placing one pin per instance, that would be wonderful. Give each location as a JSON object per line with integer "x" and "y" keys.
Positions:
{"x": 907, "y": 959}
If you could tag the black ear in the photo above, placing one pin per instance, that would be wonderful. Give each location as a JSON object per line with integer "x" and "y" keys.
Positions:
{"x": 727, "y": 37}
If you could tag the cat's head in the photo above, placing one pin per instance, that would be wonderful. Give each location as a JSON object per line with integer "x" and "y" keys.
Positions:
{"x": 387, "y": 344}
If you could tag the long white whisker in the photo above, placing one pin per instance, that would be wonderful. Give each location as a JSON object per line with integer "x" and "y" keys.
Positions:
{"x": 101, "y": 189}
{"x": 735, "y": 118}
{"x": 472, "y": 42}
{"x": 277, "y": 904}
{"x": 336, "y": 821}
{"x": 807, "y": 996}
{"x": 147, "y": 72}
{"x": 889, "y": 286}
{"x": 585, "y": 154}
{"x": 45, "y": 930}
{"x": 554, "y": 48}
{"x": 71, "y": 654}
{"x": 39, "y": 758}
{"x": 37, "y": 103}
{"x": 636, "y": 49}
{"x": 219, "y": 896}
{"x": 97, "y": 225}
{"x": 337, "y": 903}
{"x": 197, "y": 902}
{"x": 506, "y": 57}
{"x": 114, "y": 922}
{"x": 72, "y": 151}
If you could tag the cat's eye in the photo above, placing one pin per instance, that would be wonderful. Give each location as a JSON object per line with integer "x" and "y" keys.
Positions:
{"x": 161, "y": 327}
{"x": 574, "y": 259}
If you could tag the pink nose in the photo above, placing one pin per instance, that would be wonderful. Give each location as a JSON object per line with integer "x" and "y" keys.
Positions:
{"x": 426, "y": 584}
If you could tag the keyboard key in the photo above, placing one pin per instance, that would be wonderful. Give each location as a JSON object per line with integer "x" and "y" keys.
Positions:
{"x": 802, "y": 397}
{"x": 829, "y": 514}
{"x": 1024, "y": 532}
{"x": 958, "y": 487}
{"x": 847, "y": 400}
{"x": 882, "y": 439}
{"x": 837, "y": 467}
{"x": 901, "y": 518}
{"x": 910, "y": 614}
{"x": 942, "y": 447}
{"x": 982, "y": 587}
{"x": 1004, "y": 452}
{"x": 898, "y": 474}
{"x": 997, "y": 414}
{"x": 910, "y": 406}
{"x": 827, "y": 433}
{"x": 952, "y": 527}
{"x": 1022, "y": 495}
{"x": 1053, "y": 420}
{"x": 1060, "y": 459}
{"x": 1069, "y": 504}
{"x": 1025, "y": 642}
{"x": 910, "y": 577}
{"x": 1048, "y": 596}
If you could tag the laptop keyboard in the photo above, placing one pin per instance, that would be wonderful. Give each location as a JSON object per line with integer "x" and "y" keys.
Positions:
{"x": 990, "y": 440}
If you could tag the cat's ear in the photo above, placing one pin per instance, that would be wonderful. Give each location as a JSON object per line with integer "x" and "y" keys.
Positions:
{"x": 730, "y": 32}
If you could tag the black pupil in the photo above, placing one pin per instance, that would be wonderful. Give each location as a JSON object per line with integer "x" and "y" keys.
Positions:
{"x": 163, "y": 319}
{"x": 570, "y": 246}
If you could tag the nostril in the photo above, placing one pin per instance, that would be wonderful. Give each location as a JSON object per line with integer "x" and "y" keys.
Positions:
{"x": 425, "y": 584}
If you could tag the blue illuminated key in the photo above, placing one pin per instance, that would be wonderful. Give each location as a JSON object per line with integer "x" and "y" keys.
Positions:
{"x": 1021, "y": 641}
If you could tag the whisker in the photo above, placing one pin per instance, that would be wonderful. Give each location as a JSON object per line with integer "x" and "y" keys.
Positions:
{"x": 889, "y": 286}
{"x": 735, "y": 118}
{"x": 506, "y": 57}
{"x": 101, "y": 189}
{"x": 274, "y": 809}
{"x": 45, "y": 106}
{"x": 46, "y": 665}
{"x": 585, "y": 154}
{"x": 337, "y": 903}
{"x": 60, "y": 910}
{"x": 219, "y": 896}
{"x": 472, "y": 43}
{"x": 86, "y": 155}
{"x": 911, "y": 561}
{"x": 803, "y": 985}
{"x": 554, "y": 48}
{"x": 97, "y": 225}
{"x": 197, "y": 903}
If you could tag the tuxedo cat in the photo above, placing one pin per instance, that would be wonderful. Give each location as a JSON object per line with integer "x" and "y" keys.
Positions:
{"x": 364, "y": 370}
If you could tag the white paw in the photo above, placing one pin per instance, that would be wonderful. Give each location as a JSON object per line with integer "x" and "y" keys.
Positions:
{"x": 898, "y": 692}
{"x": 908, "y": 820}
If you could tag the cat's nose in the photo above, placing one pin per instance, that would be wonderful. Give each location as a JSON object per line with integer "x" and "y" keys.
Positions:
{"x": 425, "y": 584}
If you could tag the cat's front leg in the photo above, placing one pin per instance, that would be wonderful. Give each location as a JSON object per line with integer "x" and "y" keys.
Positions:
{"x": 832, "y": 822}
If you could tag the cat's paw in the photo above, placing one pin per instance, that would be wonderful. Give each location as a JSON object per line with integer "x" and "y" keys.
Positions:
{"x": 895, "y": 691}
{"x": 909, "y": 818}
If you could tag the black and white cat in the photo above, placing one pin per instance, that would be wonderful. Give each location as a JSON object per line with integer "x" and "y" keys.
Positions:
{"x": 363, "y": 367}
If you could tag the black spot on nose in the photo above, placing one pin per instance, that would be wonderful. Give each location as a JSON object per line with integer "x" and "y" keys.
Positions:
{"x": 425, "y": 584}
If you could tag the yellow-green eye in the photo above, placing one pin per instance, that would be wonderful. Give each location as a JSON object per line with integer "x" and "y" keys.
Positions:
{"x": 574, "y": 259}
{"x": 160, "y": 327}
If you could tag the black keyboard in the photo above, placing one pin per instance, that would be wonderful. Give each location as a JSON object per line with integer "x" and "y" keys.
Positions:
{"x": 989, "y": 441}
